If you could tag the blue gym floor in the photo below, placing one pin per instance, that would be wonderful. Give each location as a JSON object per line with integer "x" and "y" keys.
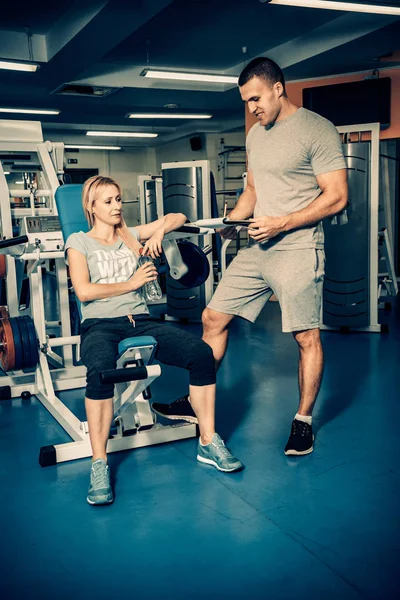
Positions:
{"x": 323, "y": 526}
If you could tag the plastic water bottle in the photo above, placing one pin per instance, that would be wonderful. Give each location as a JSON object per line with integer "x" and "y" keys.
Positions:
{"x": 151, "y": 289}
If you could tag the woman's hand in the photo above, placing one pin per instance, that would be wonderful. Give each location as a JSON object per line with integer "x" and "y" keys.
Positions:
{"x": 143, "y": 275}
{"x": 153, "y": 246}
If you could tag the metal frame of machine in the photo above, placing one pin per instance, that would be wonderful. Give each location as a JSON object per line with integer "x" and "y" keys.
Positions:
{"x": 143, "y": 196}
{"x": 376, "y": 238}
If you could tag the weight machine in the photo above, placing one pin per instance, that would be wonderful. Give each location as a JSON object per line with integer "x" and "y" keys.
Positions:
{"x": 354, "y": 246}
{"x": 24, "y": 153}
{"x": 150, "y": 197}
{"x": 134, "y": 423}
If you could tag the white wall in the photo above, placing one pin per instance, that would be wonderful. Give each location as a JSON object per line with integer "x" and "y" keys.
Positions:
{"x": 179, "y": 150}
{"x": 125, "y": 165}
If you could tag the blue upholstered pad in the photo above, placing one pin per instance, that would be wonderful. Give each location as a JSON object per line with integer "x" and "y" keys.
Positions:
{"x": 136, "y": 342}
{"x": 70, "y": 211}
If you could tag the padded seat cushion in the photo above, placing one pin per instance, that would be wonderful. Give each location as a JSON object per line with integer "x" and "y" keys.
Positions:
{"x": 137, "y": 342}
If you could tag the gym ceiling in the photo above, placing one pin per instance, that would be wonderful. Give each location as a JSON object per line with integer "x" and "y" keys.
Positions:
{"x": 99, "y": 45}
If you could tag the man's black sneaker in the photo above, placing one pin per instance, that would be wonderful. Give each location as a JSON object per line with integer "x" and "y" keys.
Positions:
{"x": 300, "y": 440}
{"x": 179, "y": 410}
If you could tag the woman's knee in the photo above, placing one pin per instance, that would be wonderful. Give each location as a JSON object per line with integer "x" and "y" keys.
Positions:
{"x": 95, "y": 388}
{"x": 201, "y": 364}
{"x": 199, "y": 352}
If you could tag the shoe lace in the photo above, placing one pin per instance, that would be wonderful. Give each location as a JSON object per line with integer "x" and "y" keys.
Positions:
{"x": 300, "y": 428}
{"x": 183, "y": 399}
{"x": 222, "y": 449}
{"x": 100, "y": 475}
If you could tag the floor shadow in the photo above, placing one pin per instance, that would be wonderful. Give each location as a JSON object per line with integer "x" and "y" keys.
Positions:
{"x": 349, "y": 360}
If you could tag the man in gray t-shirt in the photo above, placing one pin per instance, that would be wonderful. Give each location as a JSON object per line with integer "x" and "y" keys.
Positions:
{"x": 296, "y": 178}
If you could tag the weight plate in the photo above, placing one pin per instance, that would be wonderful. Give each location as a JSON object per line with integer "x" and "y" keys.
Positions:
{"x": 3, "y": 266}
{"x": 33, "y": 342}
{"x": 26, "y": 349}
{"x": 3, "y": 312}
{"x": 196, "y": 261}
{"x": 19, "y": 357}
{"x": 7, "y": 349}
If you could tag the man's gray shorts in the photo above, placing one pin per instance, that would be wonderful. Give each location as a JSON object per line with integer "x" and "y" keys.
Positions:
{"x": 294, "y": 276}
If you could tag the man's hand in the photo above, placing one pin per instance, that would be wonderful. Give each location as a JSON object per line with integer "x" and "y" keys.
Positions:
{"x": 263, "y": 229}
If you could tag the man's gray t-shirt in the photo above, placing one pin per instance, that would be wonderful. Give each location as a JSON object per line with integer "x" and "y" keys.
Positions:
{"x": 109, "y": 264}
{"x": 285, "y": 159}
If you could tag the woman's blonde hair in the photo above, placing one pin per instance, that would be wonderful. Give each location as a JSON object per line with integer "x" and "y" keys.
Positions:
{"x": 90, "y": 194}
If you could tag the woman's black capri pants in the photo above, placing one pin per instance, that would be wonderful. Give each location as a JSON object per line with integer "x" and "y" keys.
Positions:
{"x": 99, "y": 350}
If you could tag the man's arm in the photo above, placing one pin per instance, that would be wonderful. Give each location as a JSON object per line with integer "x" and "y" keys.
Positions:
{"x": 332, "y": 200}
{"x": 247, "y": 200}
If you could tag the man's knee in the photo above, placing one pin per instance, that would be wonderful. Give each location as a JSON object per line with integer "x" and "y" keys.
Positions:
{"x": 215, "y": 321}
{"x": 309, "y": 338}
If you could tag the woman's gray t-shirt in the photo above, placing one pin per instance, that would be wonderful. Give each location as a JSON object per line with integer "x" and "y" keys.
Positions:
{"x": 109, "y": 264}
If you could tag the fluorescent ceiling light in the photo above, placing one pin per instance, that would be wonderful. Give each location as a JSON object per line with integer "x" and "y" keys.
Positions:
{"x": 30, "y": 111}
{"x": 333, "y": 5}
{"x": 82, "y": 147}
{"x": 17, "y": 66}
{"x": 6, "y": 172}
{"x": 178, "y": 75}
{"x": 19, "y": 182}
{"x": 166, "y": 116}
{"x": 127, "y": 134}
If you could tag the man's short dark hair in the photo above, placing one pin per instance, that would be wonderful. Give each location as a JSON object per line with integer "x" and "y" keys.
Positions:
{"x": 262, "y": 67}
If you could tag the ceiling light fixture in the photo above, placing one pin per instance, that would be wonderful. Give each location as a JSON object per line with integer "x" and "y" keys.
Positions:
{"x": 17, "y": 66}
{"x": 167, "y": 116}
{"x": 180, "y": 76}
{"x": 82, "y": 147}
{"x": 127, "y": 134}
{"x": 30, "y": 111}
{"x": 344, "y": 6}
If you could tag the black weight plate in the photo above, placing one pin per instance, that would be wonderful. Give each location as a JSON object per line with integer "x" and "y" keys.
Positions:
{"x": 197, "y": 263}
{"x": 32, "y": 342}
{"x": 26, "y": 349}
{"x": 19, "y": 357}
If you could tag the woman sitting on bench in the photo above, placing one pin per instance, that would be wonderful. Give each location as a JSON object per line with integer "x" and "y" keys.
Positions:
{"x": 107, "y": 280}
